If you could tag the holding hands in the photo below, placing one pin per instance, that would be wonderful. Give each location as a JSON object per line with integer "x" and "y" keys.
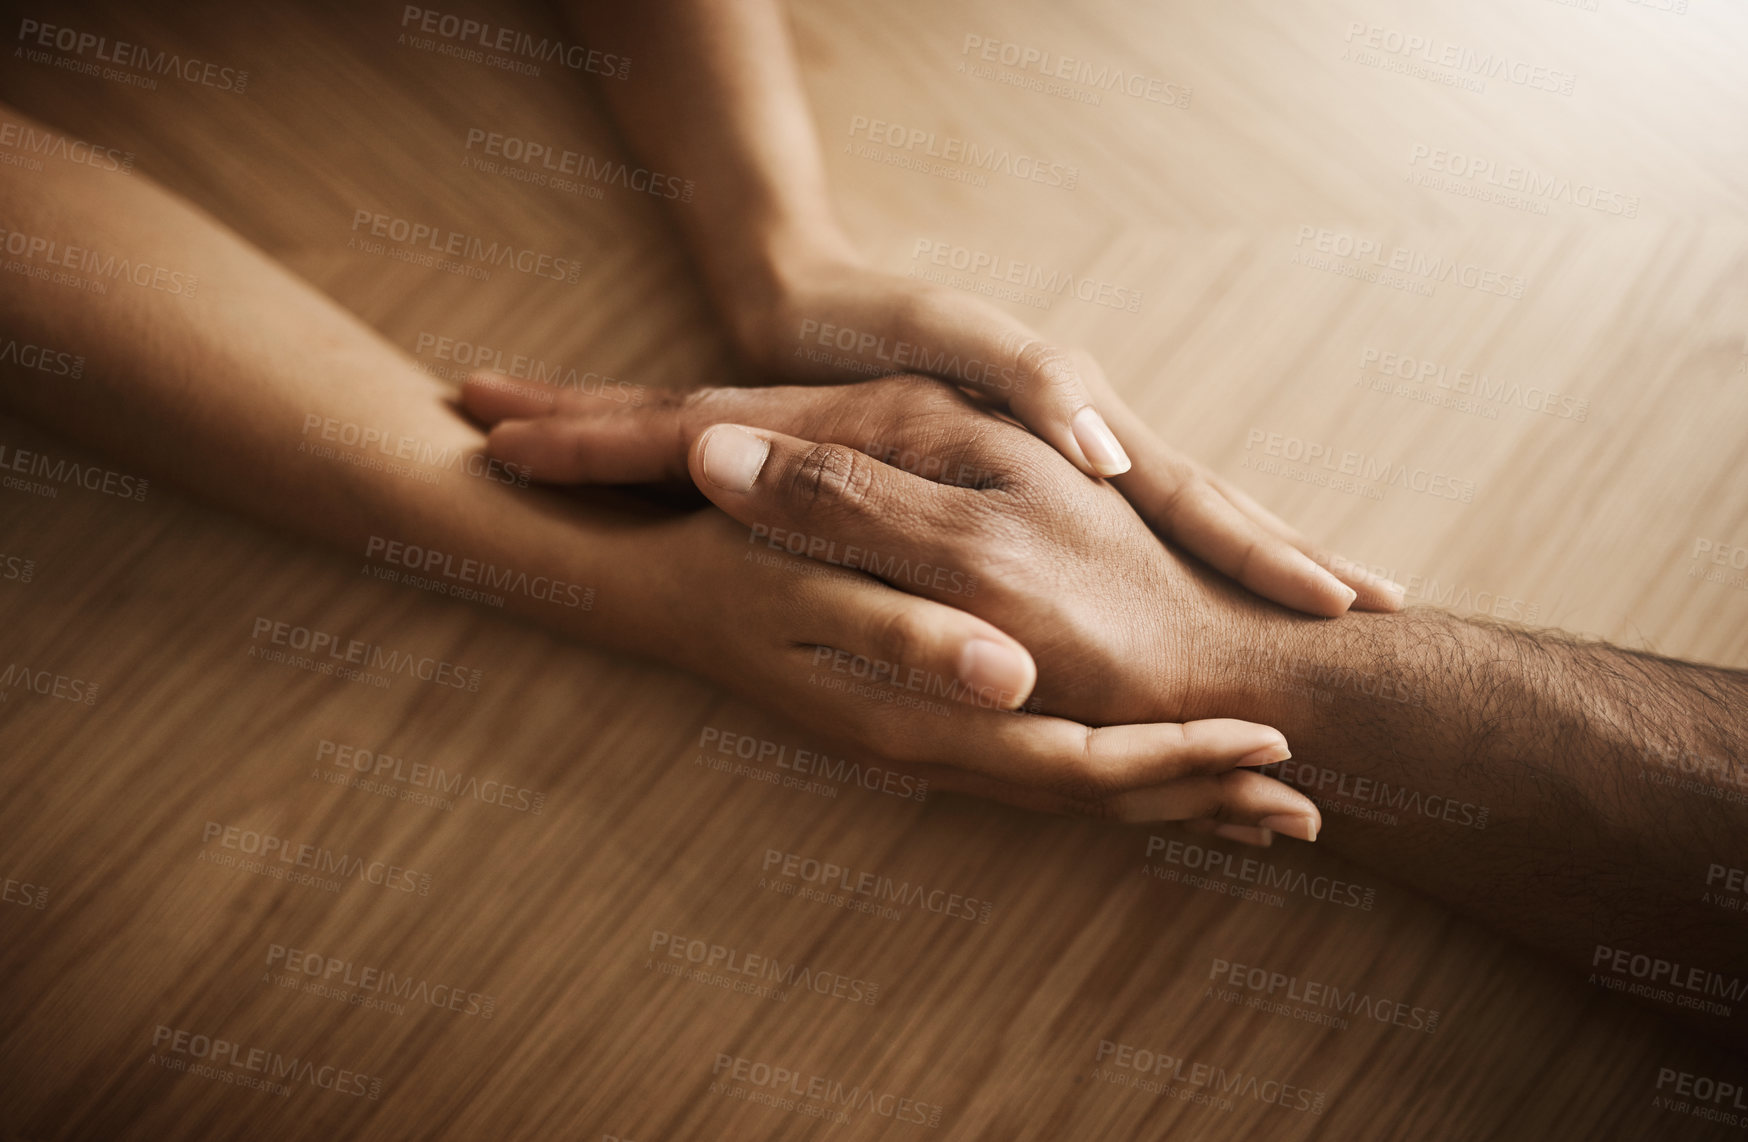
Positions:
{"x": 1009, "y": 579}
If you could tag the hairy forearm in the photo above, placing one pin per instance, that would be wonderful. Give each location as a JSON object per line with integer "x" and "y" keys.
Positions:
{"x": 240, "y": 382}
{"x": 715, "y": 94}
{"x": 1581, "y": 797}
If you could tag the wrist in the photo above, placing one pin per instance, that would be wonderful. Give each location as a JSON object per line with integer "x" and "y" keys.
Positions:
{"x": 766, "y": 287}
{"x": 1287, "y": 670}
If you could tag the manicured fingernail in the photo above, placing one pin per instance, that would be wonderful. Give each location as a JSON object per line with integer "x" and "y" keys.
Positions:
{"x": 1267, "y": 755}
{"x": 1099, "y": 443}
{"x": 996, "y": 672}
{"x": 733, "y": 456}
{"x": 1292, "y": 824}
{"x": 1247, "y": 834}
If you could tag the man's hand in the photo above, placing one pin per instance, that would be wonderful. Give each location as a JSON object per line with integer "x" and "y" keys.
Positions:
{"x": 926, "y": 571}
{"x": 827, "y": 318}
{"x": 913, "y": 483}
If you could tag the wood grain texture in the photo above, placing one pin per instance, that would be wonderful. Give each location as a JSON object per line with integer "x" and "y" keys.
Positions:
{"x": 1588, "y": 524}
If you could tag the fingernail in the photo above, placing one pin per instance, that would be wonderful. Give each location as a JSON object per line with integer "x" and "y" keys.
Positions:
{"x": 733, "y": 456}
{"x": 996, "y": 671}
{"x": 1099, "y": 443}
{"x": 1292, "y": 824}
{"x": 1267, "y": 755}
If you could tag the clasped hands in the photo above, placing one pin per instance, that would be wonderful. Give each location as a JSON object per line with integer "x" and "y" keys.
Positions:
{"x": 900, "y": 567}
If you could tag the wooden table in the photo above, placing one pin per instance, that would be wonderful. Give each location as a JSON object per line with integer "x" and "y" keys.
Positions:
{"x": 1300, "y": 220}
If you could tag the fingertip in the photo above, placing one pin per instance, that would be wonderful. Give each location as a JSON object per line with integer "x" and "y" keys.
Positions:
{"x": 1322, "y": 593}
{"x": 1245, "y": 834}
{"x": 1000, "y": 674}
{"x": 1382, "y": 595}
{"x": 1271, "y": 754}
{"x": 730, "y": 457}
{"x": 1101, "y": 452}
{"x": 1300, "y": 826}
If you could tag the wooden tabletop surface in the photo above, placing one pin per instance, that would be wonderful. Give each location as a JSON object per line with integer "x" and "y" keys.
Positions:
{"x": 1506, "y": 241}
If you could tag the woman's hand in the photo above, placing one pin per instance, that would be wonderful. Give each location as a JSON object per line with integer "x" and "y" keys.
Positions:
{"x": 894, "y": 675}
{"x": 912, "y": 482}
{"x": 832, "y": 319}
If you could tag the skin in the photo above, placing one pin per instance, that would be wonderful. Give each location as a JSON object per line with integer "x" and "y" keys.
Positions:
{"x": 1613, "y": 783}
{"x": 780, "y": 269}
{"x": 1556, "y": 738}
{"x": 219, "y": 391}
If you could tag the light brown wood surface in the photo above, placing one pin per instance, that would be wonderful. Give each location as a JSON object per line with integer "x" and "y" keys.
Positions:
{"x": 1588, "y": 525}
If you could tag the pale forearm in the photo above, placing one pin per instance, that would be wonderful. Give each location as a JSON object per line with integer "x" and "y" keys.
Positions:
{"x": 237, "y": 380}
{"x": 714, "y": 93}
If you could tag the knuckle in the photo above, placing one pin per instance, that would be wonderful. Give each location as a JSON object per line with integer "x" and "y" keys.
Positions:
{"x": 1084, "y": 778}
{"x": 699, "y": 404}
{"x": 901, "y": 637}
{"x": 1050, "y": 367}
{"x": 1224, "y": 797}
{"x": 832, "y": 477}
